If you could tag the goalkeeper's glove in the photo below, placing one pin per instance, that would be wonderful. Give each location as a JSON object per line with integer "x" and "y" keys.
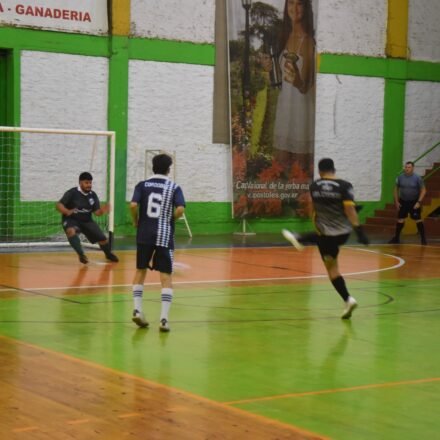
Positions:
{"x": 361, "y": 237}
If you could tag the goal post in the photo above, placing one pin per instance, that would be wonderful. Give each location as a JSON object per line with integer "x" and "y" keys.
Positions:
{"x": 37, "y": 166}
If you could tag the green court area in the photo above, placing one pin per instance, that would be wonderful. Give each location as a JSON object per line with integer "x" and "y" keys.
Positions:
{"x": 277, "y": 349}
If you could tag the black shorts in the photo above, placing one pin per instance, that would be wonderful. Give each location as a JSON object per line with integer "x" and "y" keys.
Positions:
{"x": 328, "y": 245}
{"x": 161, "y": 258}
{"x": 407, "y": 207}
{"x": 90, "y": 229}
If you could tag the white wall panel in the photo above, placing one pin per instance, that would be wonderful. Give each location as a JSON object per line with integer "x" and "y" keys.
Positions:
{"x": 185, "y": 20}
{"x": 349, "y": 129}
{"x": 170, "y": 108}
{"x": 424, "y": 30}
{"x": 61, "y": 91}
{"x": 355, "y": 27}
{"x": 422, "y": 122}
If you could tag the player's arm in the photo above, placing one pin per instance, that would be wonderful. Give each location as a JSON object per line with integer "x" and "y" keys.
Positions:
{"x": 396, "y": 196}
{"x": 134, "y": 212}
{"x": 104, "y": 209}
{"x": 60, "y": 207}
{"x": 421, "y": 197}
{"x": 179, "y": 203}
{"x": 178, "y": 212}
{"x": 99, "y": 209}
{"x": 352, "y": 215}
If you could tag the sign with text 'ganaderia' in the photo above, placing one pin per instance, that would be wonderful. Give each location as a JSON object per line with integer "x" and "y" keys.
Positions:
{"x": 81, "y": 16}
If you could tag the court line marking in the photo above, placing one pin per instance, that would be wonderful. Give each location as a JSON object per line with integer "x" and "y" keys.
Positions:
{"x": 335, "y": 390}
{"x": 78, "y": 421}
{"x": 127, "y": 416}
{"x": 400, "y": 262}
{"x": 27, "y": 429}
{"x": 169, "y": 389}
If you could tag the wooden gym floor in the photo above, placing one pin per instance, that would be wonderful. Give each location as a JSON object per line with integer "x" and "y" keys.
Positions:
{"x": 257, "y": 349}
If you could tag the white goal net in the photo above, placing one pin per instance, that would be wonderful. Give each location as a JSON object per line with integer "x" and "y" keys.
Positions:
{"x": 37, "y": 166}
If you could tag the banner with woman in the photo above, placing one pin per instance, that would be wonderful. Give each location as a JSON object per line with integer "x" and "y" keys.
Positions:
{"x": 272, "y": 94}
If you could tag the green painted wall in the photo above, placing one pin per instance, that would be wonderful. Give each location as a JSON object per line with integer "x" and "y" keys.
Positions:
{"x": 9, "y": 115}
{"x": 208, "y": 217}
{"x": 119, "y": 50}
{"x": 396, "y": 73}
{"x": 118, "y": 117}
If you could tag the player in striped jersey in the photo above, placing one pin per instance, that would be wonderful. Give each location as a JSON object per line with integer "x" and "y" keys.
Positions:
{"x": 335, "y": 216}
{"x": 156, "y": 203}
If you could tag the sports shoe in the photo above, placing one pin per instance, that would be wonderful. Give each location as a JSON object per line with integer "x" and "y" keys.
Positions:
{"x": 83, "y": 259}
{"x": 139, "y": 319}
{"x": 292, "y": 239}
{"x": 394, "y": 240}
{"x": 163, "y": 326}
{"x": 351, "y": 304}
{"x": 112, "y": 257}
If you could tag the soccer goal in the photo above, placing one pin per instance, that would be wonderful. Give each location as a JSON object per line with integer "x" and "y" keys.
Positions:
{"x": 37, "y": 166}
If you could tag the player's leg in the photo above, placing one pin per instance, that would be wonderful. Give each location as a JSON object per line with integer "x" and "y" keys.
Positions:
{"x": 95, "y": 235}
{"x": 298, "y": 240}
{"x": 401, "y": 216}
{"x": 421, "y": 230}
{"x": 105, "y": 247}
{"x": 163, "y": 262}
{"x": 71, "y": 228}
{"x": 329, "y": 250}
{"x": 416, "y": 215}
{"x": 166, "y": 297}
{"x": 143, "y": 257}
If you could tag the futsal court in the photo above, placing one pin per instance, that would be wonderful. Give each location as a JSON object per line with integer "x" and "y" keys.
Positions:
{"x": 257, "y": 349}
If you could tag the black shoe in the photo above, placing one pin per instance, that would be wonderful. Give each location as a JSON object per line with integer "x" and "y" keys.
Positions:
{"x": 112, "y": 257}
{"x": 83, "y": 259}
{"x": 394, "y": 240}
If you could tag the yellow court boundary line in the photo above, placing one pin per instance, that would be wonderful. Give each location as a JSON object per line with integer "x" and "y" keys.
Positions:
{"x": 335, "y": 390}
{"x": 238, "y": 411}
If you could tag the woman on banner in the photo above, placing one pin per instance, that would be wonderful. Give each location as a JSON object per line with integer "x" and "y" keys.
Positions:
{"x": 295, "y": 113}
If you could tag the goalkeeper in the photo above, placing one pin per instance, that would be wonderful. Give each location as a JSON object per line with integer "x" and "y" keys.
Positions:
{"x": 335, "y": 215}
{"x": 76, "y": 207}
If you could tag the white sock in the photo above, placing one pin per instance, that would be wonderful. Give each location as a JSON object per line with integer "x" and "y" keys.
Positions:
{"x": 138, "y": 290}
{"x": 167, "y": 297}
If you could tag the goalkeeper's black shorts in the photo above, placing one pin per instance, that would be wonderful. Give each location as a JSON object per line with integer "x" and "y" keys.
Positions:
{"x": 90, "y": 229}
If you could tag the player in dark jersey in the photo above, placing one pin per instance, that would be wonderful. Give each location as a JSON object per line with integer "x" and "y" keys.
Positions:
{"x": 76, "y": 207}
{"x": 409, "y": 192}
{"x": 334, "y": 216}
{"x": 156, "y": 203}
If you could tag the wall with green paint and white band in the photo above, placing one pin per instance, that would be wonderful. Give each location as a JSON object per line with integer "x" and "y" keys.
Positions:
{"x": 159, "y": 94}
{"x": 399, "y": 76}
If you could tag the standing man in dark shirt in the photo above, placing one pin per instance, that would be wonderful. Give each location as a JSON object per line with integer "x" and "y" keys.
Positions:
{"x": 156, "y": 203}
{"x": 408, "y": 195}
{"x": 76, "y": 207}
{"x": 334, "y": 216}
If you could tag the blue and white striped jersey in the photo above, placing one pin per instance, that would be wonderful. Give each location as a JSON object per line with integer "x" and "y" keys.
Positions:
{"x": 156, "y": 198}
